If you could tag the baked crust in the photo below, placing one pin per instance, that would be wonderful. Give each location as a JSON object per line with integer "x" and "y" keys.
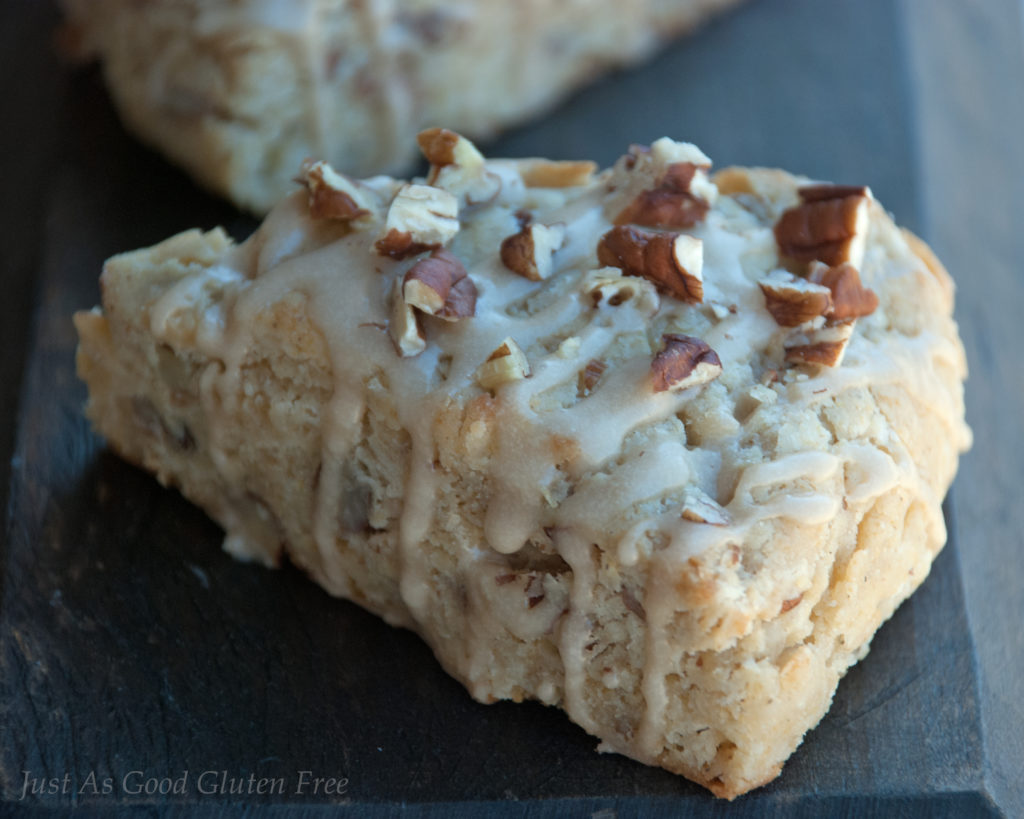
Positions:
{"x": 686, "y": 560}
{"x": 239, "y": 92}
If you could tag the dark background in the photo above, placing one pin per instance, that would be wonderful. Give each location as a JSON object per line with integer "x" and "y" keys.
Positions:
{"x": 129, "y": 641}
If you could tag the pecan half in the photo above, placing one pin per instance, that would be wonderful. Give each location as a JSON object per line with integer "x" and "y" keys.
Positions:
{"x": 829, "y": 226}
{"x": 684, "y": 361}
{"x": 672, "y": 261}
{"x": 850, "y": 299}
{"x": 529, "y": 252}
{"x": 439, "y": 286}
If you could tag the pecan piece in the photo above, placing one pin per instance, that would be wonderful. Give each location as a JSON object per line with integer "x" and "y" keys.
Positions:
{"x": 670, "y": 204}
{"x": 404, "y": 327}
{"x": 439, "y": 286}
{"x": 507, "y": 363}
{"x": 793, "y": 301}
{"x": 850, "y": 299}
{"x": 671, "y": 261}
{"x": 589, "y": 376}
{"x": 457, "y": 166}
{"x": 684, "y": 361}
{"x": 420, "y": 218}
{"x": 332, "y": 195}
{"x": 529, "y": 252}
{"x": 824, "y": 346}
{"x": 699, "y": 508}
{"x": 545, "y": 173}
{"x": 829, "y": 226}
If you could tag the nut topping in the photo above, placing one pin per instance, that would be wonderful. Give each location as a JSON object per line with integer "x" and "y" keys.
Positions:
{"x": 404, "y": 327}
{"x": 830, "y": 226}
{"x": 699, "y": 508}
{"x": 670, "y": 204}
{"x": 589, "y": 376}
{"x": 850, "y": 299}
{"x": 663, "y": 186}
{"x": 507, "y": 363}
{"x": 331, "y": 194}
{"x": 544, "y": 173}
{"x": 793, "y": 301}
{"x": 529, "y": 252}
{"x": 608, "y": 286}
{"x": 672, "y": 261}
{"x": 684, "y": 361}
{"x": 439, "y": 286}
{"x": 420, "y": 218}
{"x": 457, "y": 166}
{"x": 825, "y": 346}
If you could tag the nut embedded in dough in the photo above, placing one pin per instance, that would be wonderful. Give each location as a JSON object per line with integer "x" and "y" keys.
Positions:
{"x": 850, "y": 299}
{"x": 825, "y": 346}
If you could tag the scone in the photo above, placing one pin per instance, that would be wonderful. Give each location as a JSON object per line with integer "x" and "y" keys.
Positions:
{"x": 239, "y": 92}
{"x": 659, "y": 448}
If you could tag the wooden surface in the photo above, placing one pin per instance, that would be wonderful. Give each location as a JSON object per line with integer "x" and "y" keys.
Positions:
{"x": 129, "y": 641}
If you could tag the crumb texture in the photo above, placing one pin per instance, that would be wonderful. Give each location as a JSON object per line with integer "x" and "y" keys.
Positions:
{"x": 673, "y": 487}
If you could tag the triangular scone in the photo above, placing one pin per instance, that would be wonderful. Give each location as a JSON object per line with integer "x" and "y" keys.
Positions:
{"x": 660, "y": 448}
{"x": 238, "y": 92}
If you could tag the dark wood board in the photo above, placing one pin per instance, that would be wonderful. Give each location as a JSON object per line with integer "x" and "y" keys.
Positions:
{"x": 130, "y": 642}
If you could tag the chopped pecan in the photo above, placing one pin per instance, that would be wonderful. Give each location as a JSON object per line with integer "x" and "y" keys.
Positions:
{"x": 793, "y": 301}
{"x": 331, "y": 194}
{"x": 529, "y": 252}
{"x": 457, "y": 166}
{"x": 507, "y": 363}
{"x": 672, "y": 261}
{"x": 420, "y": 218}
{"x": 825, "y": 346}
{"x": 589, "y": 376}
{"x": 544, "y": 173}
{"x": 607, "y": 286}
{"x": 670, "y": 204}
{"x": 829, "y": 226}
{"x": 850, "y": 299}
{"x": 699, "y": 508}
{"x": 684, "y": 361}
{"x": 439, "y": 286}
{"x": 404, "y": 327}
